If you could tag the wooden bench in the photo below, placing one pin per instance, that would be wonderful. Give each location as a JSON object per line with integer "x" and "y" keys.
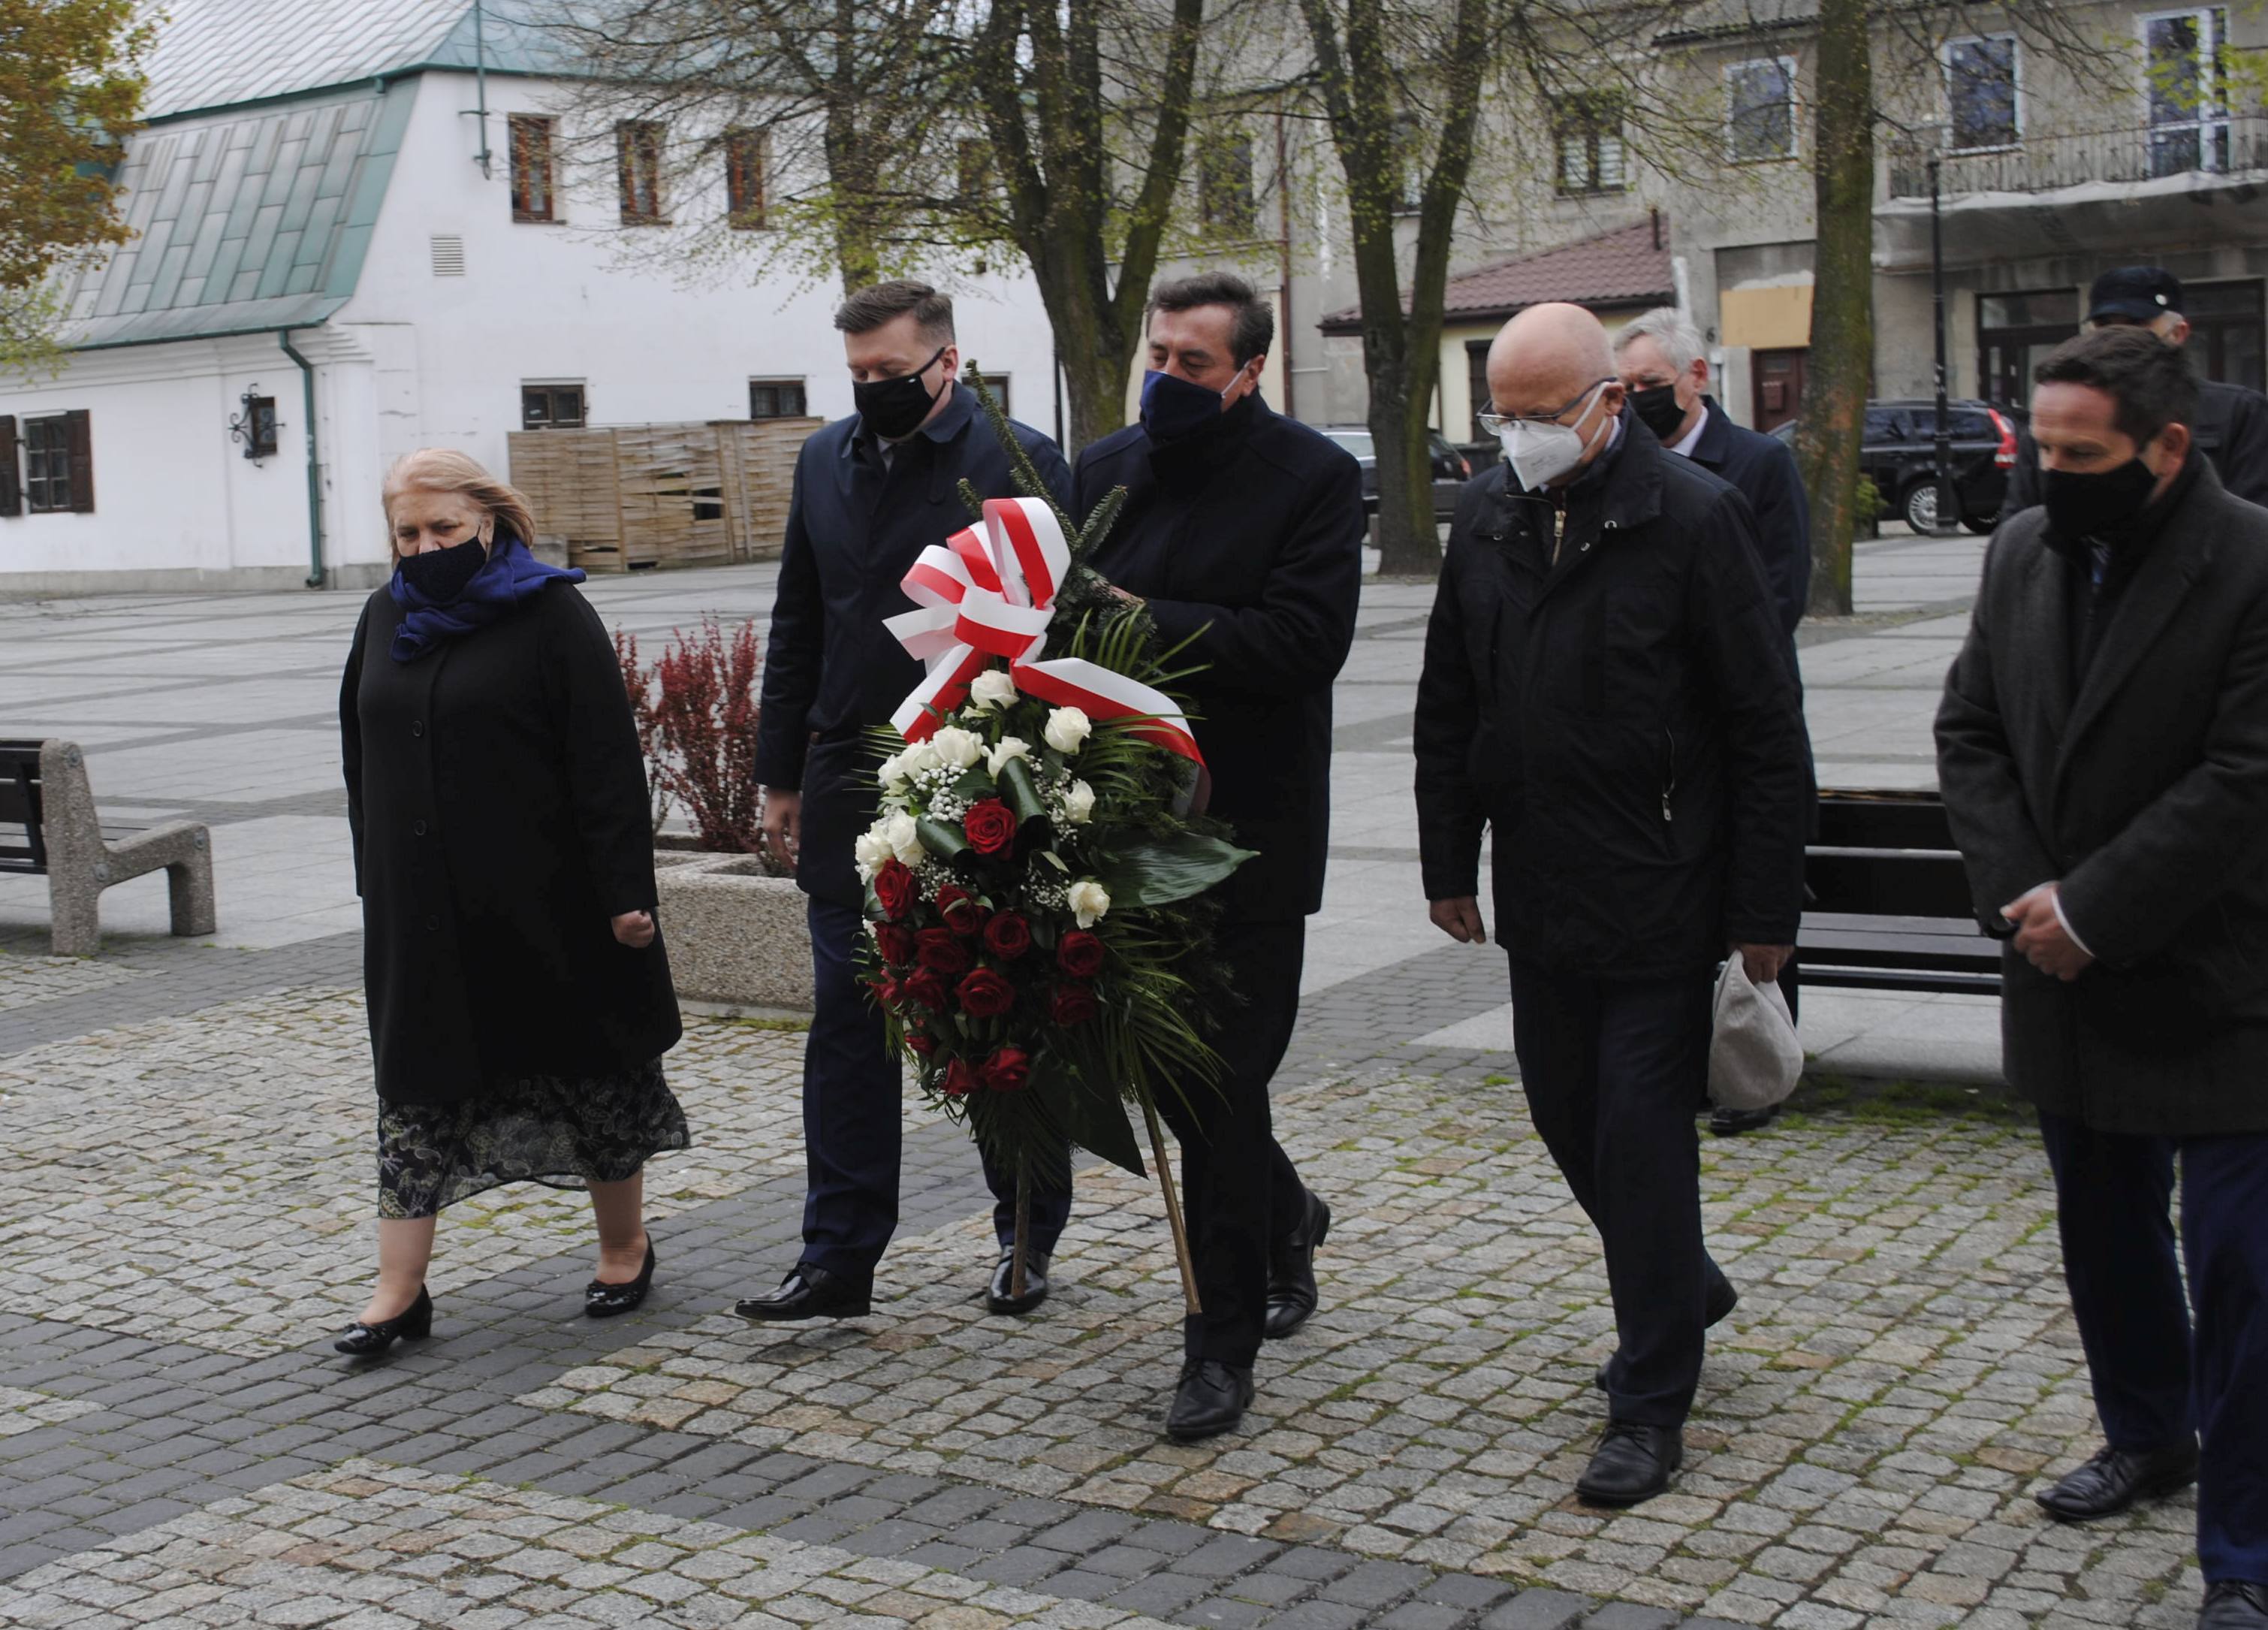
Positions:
{"x": 48, "y": 826}
{"x": 1890, "y": 908}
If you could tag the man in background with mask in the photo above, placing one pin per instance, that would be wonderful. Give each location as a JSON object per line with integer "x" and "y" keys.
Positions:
{"x": 2232, "y": 421}
{"x": 1608, "y": 688}
{"x": 1659, "y": 360}
{"x": 872, "y": 492}
{"x": 2102, "y": 746}
{"x": 1243, "y": 533}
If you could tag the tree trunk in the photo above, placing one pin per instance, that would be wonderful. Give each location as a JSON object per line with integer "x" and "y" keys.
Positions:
{"x": 1840, "y": 370}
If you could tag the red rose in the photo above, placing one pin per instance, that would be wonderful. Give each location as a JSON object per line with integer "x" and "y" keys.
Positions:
{"x": 984, "y": 994}
{"x": 896, "y": 944}
{"x": 887, "y": 992}
{"x": 1007, "y": 936}
{"x": 990, "y": 826}
{"x": 925, "y": 986}
{"x": 939, "y": 949}
{"x": 1080, "y": 954}
{"x": 1008, "y": 1069}
{"x": 895, "y": 887}
{"x": 960, "y": 1079}
{"x": 920, "y": 1043}
{"x": 959, "y": 910}
{"x": 1073, "y": 1004}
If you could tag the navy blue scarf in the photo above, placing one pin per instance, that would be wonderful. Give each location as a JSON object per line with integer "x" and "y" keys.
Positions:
{"x": 509, "y": 578}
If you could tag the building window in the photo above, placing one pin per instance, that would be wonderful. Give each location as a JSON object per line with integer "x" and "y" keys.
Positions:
{"x": 2186, "y": 83}
{"x": 748, "y": 180}
{"x": 2014, "y": 334}
{"x": 1761, "y": 119}
{"x": 998, "y": 383}
{"x": 259, "y": 427}
{"x": 552, "y": 407}
{"x": 2227, "y": 335}
{"x": 638, "y": 156}
{"x": 1476, "y": 385}
{"x": 1225, "y": 200}
{"x": 1589, "y": 135}
{"x": 535, "y": 189}
{"x": 776, "y": 399}
{"x": 58, "y": 464}
{"x": 1980, "y": 85}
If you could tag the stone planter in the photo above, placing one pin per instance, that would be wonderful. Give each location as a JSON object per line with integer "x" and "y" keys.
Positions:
{"x": 738, "y": 941}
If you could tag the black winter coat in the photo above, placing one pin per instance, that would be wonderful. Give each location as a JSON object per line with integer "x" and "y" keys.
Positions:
{"x": 2144, "y": 790}
{"x": 832, "y": 672}
{"x": 1763, "y": 468}
{"x": 497, "y": 800}
{"x": 2232, "y": 430}
{"x": 1625, "y": 722}
{"x": 1254, "y": 536}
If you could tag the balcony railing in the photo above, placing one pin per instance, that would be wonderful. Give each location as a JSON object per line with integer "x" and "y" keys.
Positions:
{"x": 2235, "y": 144}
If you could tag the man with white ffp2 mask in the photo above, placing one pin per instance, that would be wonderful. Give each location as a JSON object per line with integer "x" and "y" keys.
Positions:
{"x": 1607, "y": 688}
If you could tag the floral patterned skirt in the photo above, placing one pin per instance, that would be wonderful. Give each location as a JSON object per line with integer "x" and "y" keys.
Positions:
{"x": 566, "y": 1132}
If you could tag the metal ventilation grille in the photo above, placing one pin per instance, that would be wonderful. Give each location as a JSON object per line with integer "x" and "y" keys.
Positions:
{"x": 448, "y": 255}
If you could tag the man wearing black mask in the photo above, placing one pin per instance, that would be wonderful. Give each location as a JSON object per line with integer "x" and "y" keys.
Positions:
{"x": 2102, "y": 746}
{"x": 872, "y": 492}
{"x": 1242, "y": 532}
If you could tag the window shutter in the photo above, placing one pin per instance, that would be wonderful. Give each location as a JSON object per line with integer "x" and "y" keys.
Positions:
{"x": 11, "y": 484}
{"x": 79, "y": 439}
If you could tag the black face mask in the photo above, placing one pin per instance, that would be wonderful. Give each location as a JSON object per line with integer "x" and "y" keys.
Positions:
{"x": 1656, "y": 407}
{"x": 440, "y": 575}
{"x": 894, "y": 409}
{"x": 2100, "y": 503}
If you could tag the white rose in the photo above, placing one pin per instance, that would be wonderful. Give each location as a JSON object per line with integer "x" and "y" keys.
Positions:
{"x": 1010, "y": 747}
{"x": 891, "y": 775}
{"x": 904, "y": 838}
{"x": 1088, "y": 901}
{"x": 870, "y": 851}
{"x": 1067, "y": 727}
{"x": 956, "y": 748}
{"x": 992, "y": 689}
{"x": 918, "y": 759}
{"x": 1079, "y": 803}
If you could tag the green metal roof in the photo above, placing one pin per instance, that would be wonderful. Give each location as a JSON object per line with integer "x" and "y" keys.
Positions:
{"x": 255, "y": 222}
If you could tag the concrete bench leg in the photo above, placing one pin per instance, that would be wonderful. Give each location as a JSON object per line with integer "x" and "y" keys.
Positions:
{"x": 189, "y": 890}
{"x": 72, "y": 906}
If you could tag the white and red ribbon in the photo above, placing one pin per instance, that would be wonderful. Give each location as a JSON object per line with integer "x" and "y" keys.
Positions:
{"x": 989, "y": 592}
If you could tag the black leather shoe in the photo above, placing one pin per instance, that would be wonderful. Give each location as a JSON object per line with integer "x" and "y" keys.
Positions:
{"x": 2235, "y": 1604}
{"x": 603, "y": 1301}
{"x": 1723, "y": 1297}
{"x": 2114, "y": 1481}
{"x": 1211, "y": 1400}
{"x": 1732, "y": 1123}
{"x": 996, "y": 1299}
{"x": 1632, "y": 1463}
{"x": 1292, "y": 1295}
{"x": 361, "y": 1340}
{"x": 810, "y": 1291}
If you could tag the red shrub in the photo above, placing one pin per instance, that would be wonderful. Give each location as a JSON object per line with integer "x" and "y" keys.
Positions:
{"x": 697, "y": 722}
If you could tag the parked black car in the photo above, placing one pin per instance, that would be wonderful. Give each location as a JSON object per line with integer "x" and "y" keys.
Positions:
{"x": 1451, "y": 470}
{"x": 1899, "y": 454}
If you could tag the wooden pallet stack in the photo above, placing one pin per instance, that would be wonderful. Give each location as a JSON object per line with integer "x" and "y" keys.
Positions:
{"x": 628, "y": 498}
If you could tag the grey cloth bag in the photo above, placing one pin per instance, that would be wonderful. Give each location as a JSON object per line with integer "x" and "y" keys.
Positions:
{"x": 1754, "y": 1056}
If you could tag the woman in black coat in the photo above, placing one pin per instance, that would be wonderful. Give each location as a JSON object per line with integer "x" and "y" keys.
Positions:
{"x": 519, "y": 996}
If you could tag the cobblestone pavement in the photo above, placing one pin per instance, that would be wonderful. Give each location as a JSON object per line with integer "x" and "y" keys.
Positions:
{"x": 188, "y": 1214}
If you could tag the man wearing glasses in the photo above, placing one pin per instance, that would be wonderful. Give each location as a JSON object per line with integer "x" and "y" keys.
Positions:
{"x": 1606, "y": 688}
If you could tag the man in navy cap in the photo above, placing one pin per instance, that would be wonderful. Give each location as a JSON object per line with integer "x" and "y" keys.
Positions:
{"x": 2232, "y": 425}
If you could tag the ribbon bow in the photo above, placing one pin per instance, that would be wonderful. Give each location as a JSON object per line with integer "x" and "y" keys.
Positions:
{"x": 991, "y": 593}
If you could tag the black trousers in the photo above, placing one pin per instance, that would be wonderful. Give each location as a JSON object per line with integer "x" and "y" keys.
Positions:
{"x": 852, "y": 1129}
{"x": 1239, "y": 1189}
{"x": 1612, "y": 1069}
{"x": 2156, "y": 1382}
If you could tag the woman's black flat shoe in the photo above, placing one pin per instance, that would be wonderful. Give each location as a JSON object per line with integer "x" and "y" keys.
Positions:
{"x": 361, "y": 1340}
{"x": 603, "y": 1301}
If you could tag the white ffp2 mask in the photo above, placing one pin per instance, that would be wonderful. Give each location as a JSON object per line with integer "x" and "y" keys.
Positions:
{"x": 1539, "y": 454}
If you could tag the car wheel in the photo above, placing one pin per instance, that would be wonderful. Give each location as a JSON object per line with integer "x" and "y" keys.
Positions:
{"x": 1919, "y": 505}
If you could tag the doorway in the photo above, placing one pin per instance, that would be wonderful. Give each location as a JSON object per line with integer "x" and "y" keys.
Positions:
{"x": 1776, "y": 384}
{"x": 2227, "y": 333}
{"x": 2014, "y": 334}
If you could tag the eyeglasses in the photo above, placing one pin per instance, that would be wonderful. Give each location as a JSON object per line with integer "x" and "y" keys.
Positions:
{"x": 1496, "y": 424}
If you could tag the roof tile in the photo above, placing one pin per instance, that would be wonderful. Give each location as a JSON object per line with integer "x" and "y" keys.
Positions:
{"x": 1627, "y": 266}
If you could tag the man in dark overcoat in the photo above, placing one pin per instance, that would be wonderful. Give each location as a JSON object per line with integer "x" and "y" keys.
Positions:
{"x": 1242, "y": 532}
{"x": 1607, "y": 688}
{"x": 2102, "y": 746}
{"x": 1660, "y": 358}
{"x": 872, "y": 492}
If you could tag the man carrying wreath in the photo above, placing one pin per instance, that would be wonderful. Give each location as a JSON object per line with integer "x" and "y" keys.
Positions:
{"x": 1243, "y": 533}
{"x": 872, "y": 492}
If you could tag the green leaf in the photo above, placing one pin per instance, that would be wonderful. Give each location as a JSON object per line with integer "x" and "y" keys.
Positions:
{"x": 945, "y": 842}
{"x": 1156, "y": 871}
{"x": 1020, "y": 791}
{"x": 1095, "y": 1119}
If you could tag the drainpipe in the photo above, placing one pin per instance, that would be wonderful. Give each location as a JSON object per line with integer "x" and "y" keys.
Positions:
{"x": 316, "y": 575}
